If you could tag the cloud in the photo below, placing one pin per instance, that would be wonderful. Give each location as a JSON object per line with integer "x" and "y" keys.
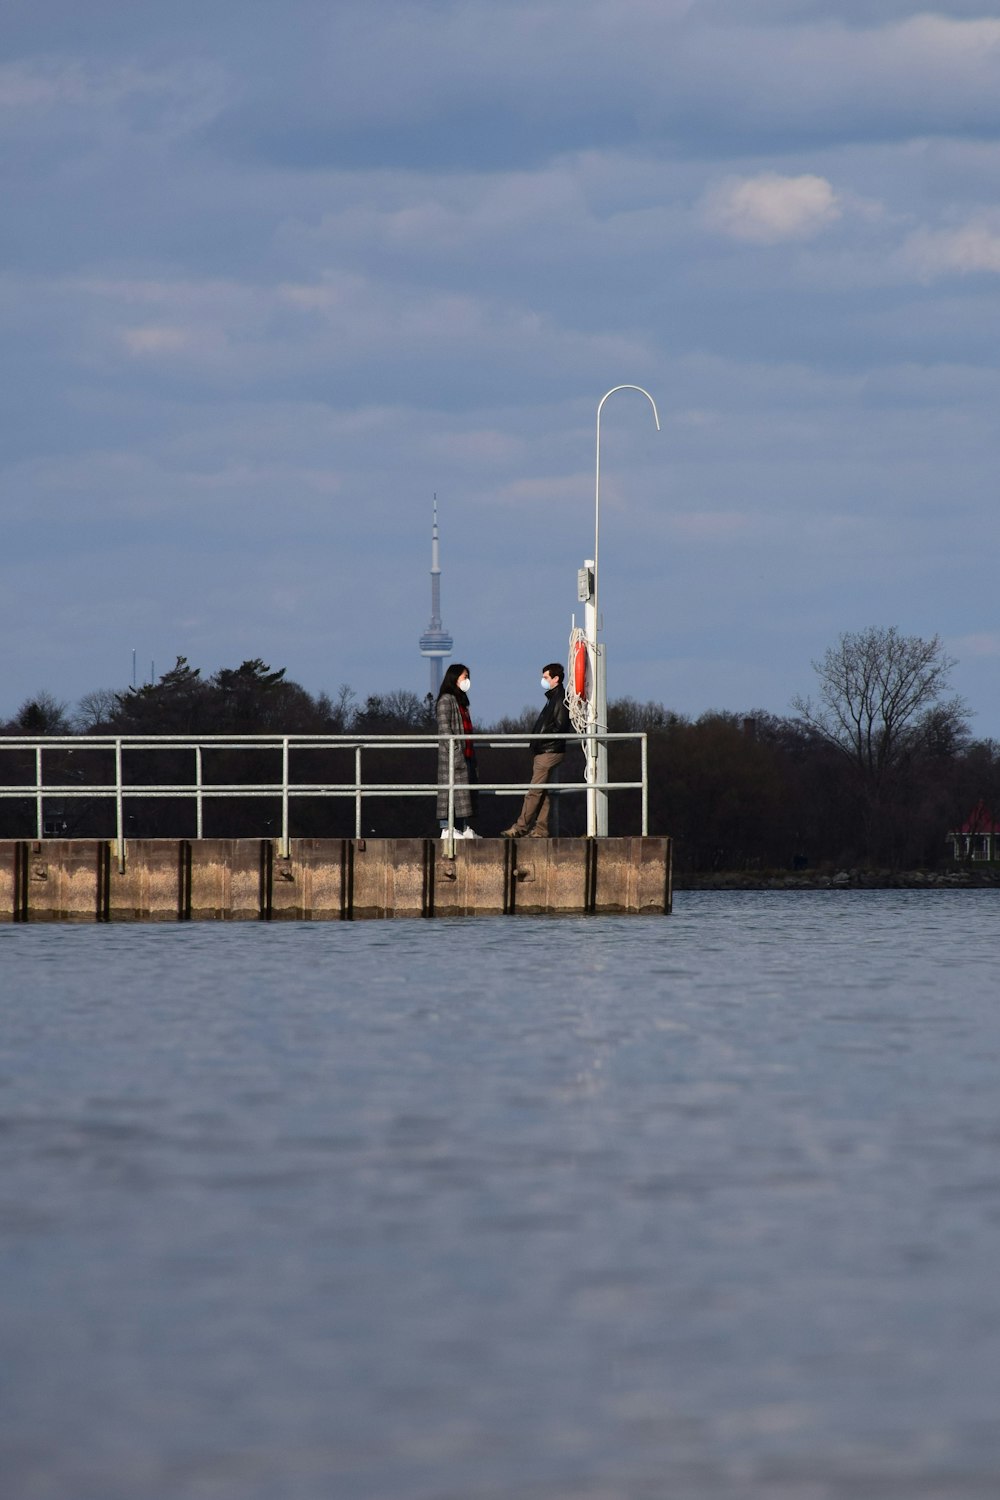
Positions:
{"x": 972, "y": 248}
{"x": 717, "y": 525}
{"x": 984, "y": 643}
{"x": 158, "y": 340}
{"x": 916, "y": 76}
{"x": 167, "y": 100}
{"x": 475, "y": 447}
{"x": 768, "y": 208}
{"x": 544, "y": 494}
{"x": 475, "y": 81}
{"x": 264, "y": 334}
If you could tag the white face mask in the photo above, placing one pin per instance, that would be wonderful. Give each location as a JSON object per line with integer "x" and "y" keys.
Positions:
{"x": 465, "y": 683}
{"x": 546, "y": 684}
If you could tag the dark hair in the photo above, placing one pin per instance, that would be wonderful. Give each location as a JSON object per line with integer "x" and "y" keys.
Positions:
{"x": 554, "y": 669}
{"x": 449, "y": 683}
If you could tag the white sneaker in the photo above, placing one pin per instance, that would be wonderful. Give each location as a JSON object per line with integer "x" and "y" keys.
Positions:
{"x": 445, "y": 834}
{"x": 469, "y": 833}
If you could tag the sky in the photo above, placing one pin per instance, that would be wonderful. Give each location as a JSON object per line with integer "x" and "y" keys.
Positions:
{"x": 272, "y": 275}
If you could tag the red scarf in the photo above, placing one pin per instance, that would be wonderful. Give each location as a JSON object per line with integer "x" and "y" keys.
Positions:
{"x": 467, "y": 726}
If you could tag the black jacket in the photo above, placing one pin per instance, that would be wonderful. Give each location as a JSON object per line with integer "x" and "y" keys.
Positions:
{"x": 553, "y": 719}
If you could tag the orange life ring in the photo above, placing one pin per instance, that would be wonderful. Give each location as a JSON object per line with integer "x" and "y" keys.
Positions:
{"x": 580, "y": 670}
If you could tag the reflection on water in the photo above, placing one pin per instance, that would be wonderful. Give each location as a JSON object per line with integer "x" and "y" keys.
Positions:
{"x": 706, "y": 1206}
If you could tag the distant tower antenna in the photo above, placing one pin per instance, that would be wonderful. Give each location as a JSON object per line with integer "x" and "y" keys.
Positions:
{"x": 435, "y": 643}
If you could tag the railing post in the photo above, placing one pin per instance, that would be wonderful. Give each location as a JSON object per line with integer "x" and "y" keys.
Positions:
{"x": 199, "y": 822}
{"x": 357, "y": 791}
{"x": 451, "y": 784}
{"x": 285, "y": 846}
{"x": 645, "y": 787}
{"x": 452, "y": 744}
{"x": 39, "y": 813}
{"x": 119, "y": 808}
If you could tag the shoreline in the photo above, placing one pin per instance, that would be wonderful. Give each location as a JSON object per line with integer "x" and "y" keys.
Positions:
{"x": 838, "y": 880}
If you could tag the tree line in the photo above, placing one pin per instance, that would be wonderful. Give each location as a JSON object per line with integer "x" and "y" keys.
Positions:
{"x": 875, "y": 770}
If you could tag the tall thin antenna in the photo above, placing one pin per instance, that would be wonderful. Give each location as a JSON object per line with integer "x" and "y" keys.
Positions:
{"x": 435, "y": 643}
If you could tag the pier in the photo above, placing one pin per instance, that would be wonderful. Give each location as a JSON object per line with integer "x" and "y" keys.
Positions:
{"x": 306, "y": 879}
{"x": 175, "y": 828}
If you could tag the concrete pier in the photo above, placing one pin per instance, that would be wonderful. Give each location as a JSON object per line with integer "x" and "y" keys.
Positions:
{"x": 170, "y": 880}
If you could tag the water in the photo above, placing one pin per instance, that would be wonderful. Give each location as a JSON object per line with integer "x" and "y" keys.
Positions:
{"x": 609, "y": 1209}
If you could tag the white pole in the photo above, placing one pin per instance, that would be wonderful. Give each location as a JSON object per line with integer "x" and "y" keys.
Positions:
{"x": 597, "y": 818}
{"x": 590, "y": 630}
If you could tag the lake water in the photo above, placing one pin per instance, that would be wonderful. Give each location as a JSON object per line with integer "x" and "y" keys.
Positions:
{"x": 693, "y": 1208}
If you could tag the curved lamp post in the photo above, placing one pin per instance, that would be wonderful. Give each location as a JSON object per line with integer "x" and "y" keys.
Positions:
{"x": 597, "y": 753}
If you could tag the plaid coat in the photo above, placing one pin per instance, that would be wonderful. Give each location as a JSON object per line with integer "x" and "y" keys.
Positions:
{"x": 449, "y": 721}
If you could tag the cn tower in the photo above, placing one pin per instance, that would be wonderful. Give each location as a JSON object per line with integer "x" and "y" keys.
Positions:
{"x": 435, "y": 642}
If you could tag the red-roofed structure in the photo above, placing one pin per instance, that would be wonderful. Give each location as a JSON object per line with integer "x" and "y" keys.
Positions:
{"x": 979, "y": 836}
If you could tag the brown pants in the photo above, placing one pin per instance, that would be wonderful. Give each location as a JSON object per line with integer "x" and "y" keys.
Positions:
{"x": 535, "y": 809}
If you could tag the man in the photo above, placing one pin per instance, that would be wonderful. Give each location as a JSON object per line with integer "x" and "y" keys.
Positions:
{"x": 533, "y": 819}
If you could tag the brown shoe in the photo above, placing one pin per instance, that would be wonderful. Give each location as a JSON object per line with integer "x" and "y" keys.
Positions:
{"x": 538, "y": 833}
{"x": 512, "y": 833}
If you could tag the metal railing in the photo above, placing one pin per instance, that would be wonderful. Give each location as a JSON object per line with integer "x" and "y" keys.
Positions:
{"x": 201, "y": 747}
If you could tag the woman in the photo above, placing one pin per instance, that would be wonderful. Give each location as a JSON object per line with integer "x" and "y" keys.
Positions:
{"x": 453, "y": 718}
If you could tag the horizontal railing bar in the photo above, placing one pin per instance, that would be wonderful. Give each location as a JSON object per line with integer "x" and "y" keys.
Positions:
{"x": 299, "y": 742}
{"x": 338, "y": 789}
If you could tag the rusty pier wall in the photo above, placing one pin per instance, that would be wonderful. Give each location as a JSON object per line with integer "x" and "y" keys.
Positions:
{"x": 170, "y": 880}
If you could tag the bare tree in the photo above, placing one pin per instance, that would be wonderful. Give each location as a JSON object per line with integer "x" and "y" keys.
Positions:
{"x": 337, "y": 714}
{"x": 882, "y": 704}
{"x": 516, "y": 723}
{"x": 880, "y": 694}
{"x": 392, "y": 713}
{"x": 95, "y": 710}
{"x": 40, "y": 715}
{"x": 626, "y": 714}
